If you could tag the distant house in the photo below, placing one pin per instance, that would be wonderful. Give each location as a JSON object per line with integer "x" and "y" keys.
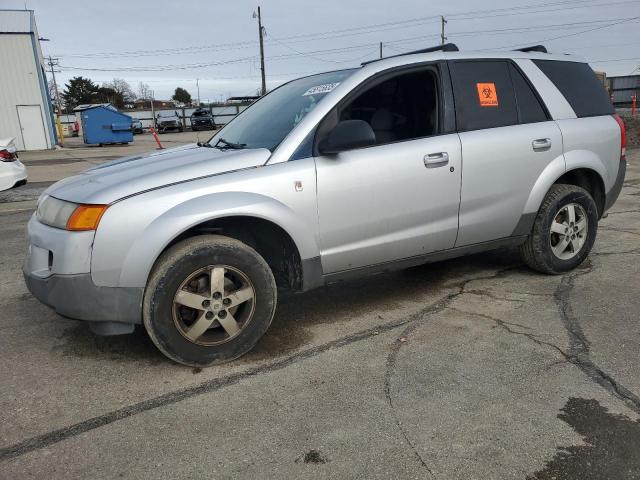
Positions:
{"x": 25, "y": 106}
{"x": 145, "y": 104}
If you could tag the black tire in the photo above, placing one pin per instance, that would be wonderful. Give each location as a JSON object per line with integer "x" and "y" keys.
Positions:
{"x": 174, "y": 267}
{"x": 537, "y": 250}
{"x": 181, "y": 129}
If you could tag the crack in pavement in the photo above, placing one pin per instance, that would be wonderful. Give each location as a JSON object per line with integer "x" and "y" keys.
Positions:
{"x": 439, "y": 306}
{"x": 622, "y": 211}
{"x": 579, "y": 345}
{"x": 621, "y": 230}
{"x": 507, "y": 327}
{"x": 61, "y": 434}
{"x": 633, "y": 251}
{"x": 484, "y": 293}
{"x": 578, "y": 354}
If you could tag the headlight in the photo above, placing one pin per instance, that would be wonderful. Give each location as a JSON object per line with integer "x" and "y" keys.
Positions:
{"x": 67, "y": 215}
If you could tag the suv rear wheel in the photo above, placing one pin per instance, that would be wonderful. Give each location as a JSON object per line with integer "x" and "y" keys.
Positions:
{"x": 564, "y": 230}
{"x": 209, "y": 300}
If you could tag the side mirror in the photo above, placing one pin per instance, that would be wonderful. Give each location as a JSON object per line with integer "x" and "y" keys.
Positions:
{"x": 348, "y": 135}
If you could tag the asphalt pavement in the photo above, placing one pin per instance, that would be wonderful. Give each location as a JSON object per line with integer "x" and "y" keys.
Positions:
{"x": 475, "y": 368}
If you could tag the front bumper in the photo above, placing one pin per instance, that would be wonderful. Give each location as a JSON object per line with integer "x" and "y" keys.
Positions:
{"x": 57, "y": 272}
{"x": 76, "y": 296}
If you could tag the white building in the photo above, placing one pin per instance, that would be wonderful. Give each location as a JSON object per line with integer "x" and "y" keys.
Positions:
{"x": 25, "y": 107}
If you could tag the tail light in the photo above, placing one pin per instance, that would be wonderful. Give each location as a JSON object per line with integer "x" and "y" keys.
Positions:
{"x": 7, "y": 156}
{"x": 623, "y": 135}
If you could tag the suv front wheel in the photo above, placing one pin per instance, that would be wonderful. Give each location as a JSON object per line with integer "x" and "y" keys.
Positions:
{"x": 209, "y": 300}
{"x": 564, "y": 230}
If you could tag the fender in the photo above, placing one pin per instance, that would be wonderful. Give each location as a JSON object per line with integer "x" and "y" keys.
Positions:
{"x": 142, "y": 241}
{"x": 587, "y": 159}
{"x": 573, "y": 160}
{"x": 554, "y": 170}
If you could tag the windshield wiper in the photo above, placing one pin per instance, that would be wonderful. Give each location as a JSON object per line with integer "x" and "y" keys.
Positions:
{"x": 228, "y": 145}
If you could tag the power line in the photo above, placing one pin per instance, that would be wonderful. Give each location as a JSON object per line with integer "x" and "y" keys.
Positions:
{"x": 159, "y": 68}
{"x": 516, "y": 10}
{"x": 632, "y": 19}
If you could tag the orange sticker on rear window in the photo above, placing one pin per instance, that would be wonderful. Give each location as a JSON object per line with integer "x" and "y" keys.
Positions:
{"x": 487, "y": 94}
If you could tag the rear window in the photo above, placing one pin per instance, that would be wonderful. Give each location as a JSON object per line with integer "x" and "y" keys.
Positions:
{"x": 579, "y": 85}
{"x": 530, "y": 108}
{"x": 483, "y": 94}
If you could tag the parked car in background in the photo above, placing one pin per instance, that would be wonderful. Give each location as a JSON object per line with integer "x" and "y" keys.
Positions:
{"x": 12, "y": 171}
{"x": 136, "y": 126}
{"x": 202, "y": 119}
{"x": 329, "y": 177}
{"x": 168, "y": 120}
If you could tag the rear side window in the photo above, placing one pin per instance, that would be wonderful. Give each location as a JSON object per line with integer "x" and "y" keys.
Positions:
{"x": 530, "y": 109}
{"x": 483, "y": 94}
{"x": 579, "y": 85}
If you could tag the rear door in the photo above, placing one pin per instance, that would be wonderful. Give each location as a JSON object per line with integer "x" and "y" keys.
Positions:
{"x": 508, "y": 139}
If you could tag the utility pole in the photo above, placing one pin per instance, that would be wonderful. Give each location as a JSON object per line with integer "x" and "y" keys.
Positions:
{"x": 261, "y": 34}
{"x": 53, "y": 62}
{"x": 442, "y": 37}
{"x": 153, "y": 113}
{"x": 380, "y": 49}
{"x": 198, "y": 87}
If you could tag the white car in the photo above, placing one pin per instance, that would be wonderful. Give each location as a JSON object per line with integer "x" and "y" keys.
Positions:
{"x": 12, "y": 171}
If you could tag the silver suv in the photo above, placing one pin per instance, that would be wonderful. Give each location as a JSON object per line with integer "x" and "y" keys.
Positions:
{"x": 406, "y": 160}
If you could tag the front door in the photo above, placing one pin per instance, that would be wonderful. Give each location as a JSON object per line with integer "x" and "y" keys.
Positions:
{"x": 32, "y": 127}
{"x": 398, "y": 198}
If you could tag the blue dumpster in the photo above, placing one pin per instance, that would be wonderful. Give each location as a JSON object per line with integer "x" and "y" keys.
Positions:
{"x": 103, "y": 124}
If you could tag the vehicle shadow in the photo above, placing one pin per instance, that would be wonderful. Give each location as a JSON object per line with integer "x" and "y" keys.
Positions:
{"x": 298, "y": 315}
{"x": 374, "y": 296}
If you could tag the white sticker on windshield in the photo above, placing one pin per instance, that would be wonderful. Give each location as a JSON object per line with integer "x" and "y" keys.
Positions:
{"x": 321, "y": 89}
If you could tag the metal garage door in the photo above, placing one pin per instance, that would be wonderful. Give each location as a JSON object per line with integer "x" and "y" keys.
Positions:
{"x": 32, "y": 127}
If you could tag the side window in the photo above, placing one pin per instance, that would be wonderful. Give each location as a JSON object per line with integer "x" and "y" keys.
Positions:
{"x": 579, "y": 85}
{"x": 530, "y": 109}
{"x": 403, "y": 107}
{"x": 483, "y": 94}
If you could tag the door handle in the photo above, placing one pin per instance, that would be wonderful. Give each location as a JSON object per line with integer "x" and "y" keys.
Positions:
{"x": 435, "y": 160}
{"x": 541, "y": 144}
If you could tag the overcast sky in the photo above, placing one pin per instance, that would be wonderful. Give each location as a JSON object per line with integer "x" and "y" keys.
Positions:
{"x": 106, "y": 39}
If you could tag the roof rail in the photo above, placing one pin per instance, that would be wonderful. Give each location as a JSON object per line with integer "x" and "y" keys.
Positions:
{"x": 445, "y": 47}
{"x": 533, "y": 48}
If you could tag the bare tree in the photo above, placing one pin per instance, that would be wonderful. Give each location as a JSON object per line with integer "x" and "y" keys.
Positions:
{"x": 144, "y": 92}
{"x": 122, "y": 89}
{"x": 52, "y": 92}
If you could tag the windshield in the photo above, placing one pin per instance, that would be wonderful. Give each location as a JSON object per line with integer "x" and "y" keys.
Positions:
{"x": 270, "y": 119}
{"x": 167, "y": 114}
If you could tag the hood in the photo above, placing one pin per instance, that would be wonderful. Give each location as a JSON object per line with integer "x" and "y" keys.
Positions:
{"x": 127, "y": 176}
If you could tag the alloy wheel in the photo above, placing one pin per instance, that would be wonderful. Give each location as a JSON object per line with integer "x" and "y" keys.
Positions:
{"x": 213, "y": 305}
{"x": 569, "y": 231}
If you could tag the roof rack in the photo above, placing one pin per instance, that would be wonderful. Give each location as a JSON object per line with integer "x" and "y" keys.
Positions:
{"x": 533, "y": 48}
{"x": 445, "y": 47}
